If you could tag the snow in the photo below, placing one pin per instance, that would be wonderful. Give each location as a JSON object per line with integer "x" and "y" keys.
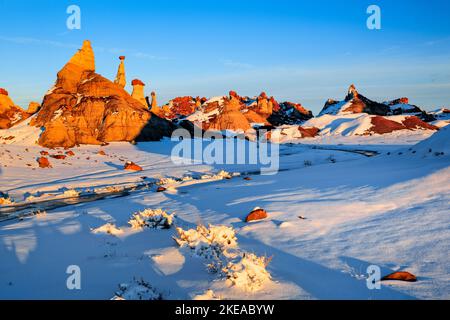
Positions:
{"x": 389, "y": 210}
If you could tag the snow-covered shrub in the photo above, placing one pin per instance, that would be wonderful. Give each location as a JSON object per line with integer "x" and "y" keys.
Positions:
{"x": 307, "y": 163}
{"x": 4, "y": 201}
{"x": 108, "y": 228}
{"x": 167, "y": 181}
{"x": 213, "y": 243}
{"x": 71, "y": 193}
{"x": 248, "y": 272}
{"x": 152, "y": 219}
{"x": 137, "y": 290}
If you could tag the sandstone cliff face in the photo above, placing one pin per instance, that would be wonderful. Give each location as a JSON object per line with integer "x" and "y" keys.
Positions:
{"x": 10, "y": 114}
{"x": 86, "y": 108}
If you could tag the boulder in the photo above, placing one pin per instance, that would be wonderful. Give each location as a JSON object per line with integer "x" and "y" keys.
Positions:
{"x": 161, "y": 189}
{"x": 43, "y": 162}
{"x": 256, "y": 214}
{"x": 400, "y": 276}
{"x": 129, "y": 165}
{"x": 58, "y": 156}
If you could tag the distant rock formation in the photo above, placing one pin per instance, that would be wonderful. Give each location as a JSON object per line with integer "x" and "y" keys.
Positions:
{"x": 120, "y": 77}
{"x": 85, "y": 108}
{"x": 354, "y": 102}
{"x": 138, "y": 91}
{"x": 260, "y": 111}
{"x": 10, "y": 114}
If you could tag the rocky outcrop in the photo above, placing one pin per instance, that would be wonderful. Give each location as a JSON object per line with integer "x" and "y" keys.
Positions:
{"x": 85, "y": 108}
{"x": 220, "y": 113}
{"x": 289, "y": 113}
{"x": 33, "y": 107}
{"x": 228, "y": 117}
{"x": 180, "y": 107}
{"x": 383, "y": 125}
{"x": 354, "y": 102}
{"x": 121, "y": 79}
{"x": 10, "y": 114}
{"x": 138, "y": 91}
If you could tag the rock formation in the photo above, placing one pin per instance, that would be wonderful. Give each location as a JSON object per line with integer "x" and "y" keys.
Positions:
{"x": 234, "y": 112}
{"x": 354, "y": 102}
{"x": 86, "y": 108}
{"x": 120, "y": 77}
{"x": 229, "y": 117}
{"x": 138, "y": 91}
{"x": 154, "y": 102}
{"x": 10, "y": 114}
{"x": 33, "y": 107}
{"x": 382, "y": 125}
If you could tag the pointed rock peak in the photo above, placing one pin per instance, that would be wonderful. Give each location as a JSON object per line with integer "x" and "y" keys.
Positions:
{"x": 84, "y": 58}
{"x": 121, "y": 58}
{"x": 3, "y": 92}
{"x": 234, "y": 94}
{"x": 352, "y": 91}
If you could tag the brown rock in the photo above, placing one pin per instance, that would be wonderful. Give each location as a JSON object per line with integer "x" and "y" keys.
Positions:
{"x": 10, "y": 114}
{"x": 161, "y": 189}
{"x": 308, "y": 132}
{"x": 58, "y": 156}
{"x": 33, "y": 107}
{"x": 256, "y": 214}
{"x": 43, "y": 162}
{"x": 70, "y": 153}
{"x": 382, "y": 125}
{"x": 400, "y": 276}
{"x": 101, "y": 153}
{"x": 129, "y": 165}
{"x": 44, "y": 153}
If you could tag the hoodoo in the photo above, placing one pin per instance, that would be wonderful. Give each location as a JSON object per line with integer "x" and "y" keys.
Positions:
{"x": 138, "y": 91}
{"x": 120, "y": 77}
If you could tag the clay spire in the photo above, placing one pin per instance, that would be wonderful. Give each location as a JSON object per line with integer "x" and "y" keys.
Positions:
{"x": 154, "y": 104}
{"x": 138, "y": 91}
{"x": 120, "y": 77}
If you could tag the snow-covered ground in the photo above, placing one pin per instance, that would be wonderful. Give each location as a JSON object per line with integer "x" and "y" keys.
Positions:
{"x": 331, "y": 213}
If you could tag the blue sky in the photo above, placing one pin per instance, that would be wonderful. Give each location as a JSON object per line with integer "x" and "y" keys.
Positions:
{"x": 302, "y": 51}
